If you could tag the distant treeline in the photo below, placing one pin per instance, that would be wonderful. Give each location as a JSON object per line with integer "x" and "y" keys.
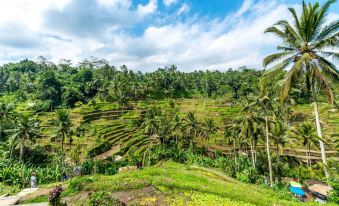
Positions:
{"x": 52, "y": 85}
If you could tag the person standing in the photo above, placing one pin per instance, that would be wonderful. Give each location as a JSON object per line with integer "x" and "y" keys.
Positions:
{"x": 34, "y": 180}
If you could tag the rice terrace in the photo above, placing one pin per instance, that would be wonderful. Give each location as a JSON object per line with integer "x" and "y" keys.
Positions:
{"x": 169, "y": 102}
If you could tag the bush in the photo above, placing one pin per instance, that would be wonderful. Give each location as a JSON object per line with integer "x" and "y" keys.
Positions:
{"x": 55, "y": 196}
{"x": 78, "y": 184}
{"x": 103, "y": 199}
{"x": 18, "y": 173}
{"x": 334, "y": 194}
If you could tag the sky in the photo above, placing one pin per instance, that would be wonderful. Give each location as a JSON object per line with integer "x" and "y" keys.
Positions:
{"x": 144, "y": 34}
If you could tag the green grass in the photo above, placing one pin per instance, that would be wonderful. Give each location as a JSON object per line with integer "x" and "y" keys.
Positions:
{"x": 189, "y": 185}
{"x": 42, "y": 198}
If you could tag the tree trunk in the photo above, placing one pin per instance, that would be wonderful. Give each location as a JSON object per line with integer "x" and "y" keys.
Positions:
{"x": 234, "y": 152}
{"x": 21, "y": 151}
{"x": 62, "y": 151}
{"x": 268, "y": 152}
{"x": 321, "y": 143}
{"x": 252, "y": 153}
{"x": 309, "y": 154}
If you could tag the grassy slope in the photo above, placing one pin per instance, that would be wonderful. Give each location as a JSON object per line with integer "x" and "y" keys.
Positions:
{"x": 220, "y": 110}
{"x": 179, "y": 184}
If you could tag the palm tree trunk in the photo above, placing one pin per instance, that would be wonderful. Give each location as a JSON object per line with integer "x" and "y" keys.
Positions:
{"x": 268, "y": 152}
{"x": 252, "y": 153}
{"x": 21, "y": 151}
{"x": 62, "y": 151}
{"x": 309, "y": 154}
{"x": 234, "y": 152}
{"x": 321, "y": 143}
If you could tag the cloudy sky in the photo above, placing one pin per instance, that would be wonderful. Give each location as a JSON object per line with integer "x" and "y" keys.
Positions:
{"x": 144, "y": 34}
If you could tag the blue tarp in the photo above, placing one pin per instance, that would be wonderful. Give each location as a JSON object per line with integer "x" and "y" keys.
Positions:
{"x": 297, "y": 191}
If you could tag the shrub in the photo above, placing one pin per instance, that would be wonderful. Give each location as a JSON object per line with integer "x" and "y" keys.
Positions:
{"x": 103, "y": 199}
{"x": 55, "y": 196}
{"x": 334, "y": 194}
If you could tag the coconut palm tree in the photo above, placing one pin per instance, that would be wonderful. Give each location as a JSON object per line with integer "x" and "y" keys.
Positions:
{"x": 278, "y": 134}
{"x": 231, "y": 134}
{"x": 208, "y": 128}
{"x": 62, "y": 128}
{"x": 176, "y": 127}
{"x": 265, "y": 106}
{"x": 307, "y": 133}
{"x": 191, "y": 127}
{"x": 27, "y": 129}
{"x": 151, "y": 121}
{"x": 307, "y": 46}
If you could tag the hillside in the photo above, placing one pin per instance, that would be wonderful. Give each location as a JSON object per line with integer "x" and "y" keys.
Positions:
{"x": 169, "y": 183}
{"x": 106, "y": 130}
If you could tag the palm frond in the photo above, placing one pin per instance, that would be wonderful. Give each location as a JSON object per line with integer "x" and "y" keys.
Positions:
{"x": 328, "y": 68}
{"x": 296, "y": 21}
{"x": 275, "y": 57}
{"x": 325, "y": 85}
{"x": 286, "y": 83}
{"x": 328, "y": 30}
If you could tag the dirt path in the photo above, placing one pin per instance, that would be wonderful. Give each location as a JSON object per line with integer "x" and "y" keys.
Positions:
{"x": 114, "y": 149}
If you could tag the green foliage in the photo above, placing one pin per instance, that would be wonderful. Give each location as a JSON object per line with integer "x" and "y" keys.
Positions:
{"x": 77, "y": 184}
{"x": 103, "y": 199}
{"x": 334, "y": 194}
{"x": 16, "y": 173}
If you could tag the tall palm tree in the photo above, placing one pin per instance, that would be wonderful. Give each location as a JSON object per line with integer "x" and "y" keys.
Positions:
{"x": 307, "y": 46}
{"x": 278, "y": 134}
{"x": 151, "y": 121}
{"x": 176, "y": 127}
{"x": 231, "y": 134}
{"x": 62, "y": 128}
{"x": 306, "y": 132}
{"x": 27, "y": 129}
{"x": 265, "y": 106}
{"x": 208, "y": 128}
{"x": 191, "y": 127}
{"x": 250, "y": 123}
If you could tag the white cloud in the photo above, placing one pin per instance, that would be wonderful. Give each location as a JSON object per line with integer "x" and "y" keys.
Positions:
{"x": 244, "y": 8}
{"x": 149, "y": 8}
{"x": 183, "y": 9}
{"x": 169, "y": 2}
{"x": 77, "y": 29}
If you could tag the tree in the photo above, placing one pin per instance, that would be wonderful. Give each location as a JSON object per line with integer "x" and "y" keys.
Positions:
{"x": 27, "y": 129}
{"x": 176, "y": 127}
{"x": 191, "y": 127}
{"x": 62, "y": 128}
{"x": 265, "y": 106}
{"x": 278, "y": 134}
{"x": 307, "y": 45}
{"x": 208, "y": 128}
{"x": 306, "y": 132}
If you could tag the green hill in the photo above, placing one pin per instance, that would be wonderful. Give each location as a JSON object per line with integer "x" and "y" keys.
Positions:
{"x": 170, "y": 183}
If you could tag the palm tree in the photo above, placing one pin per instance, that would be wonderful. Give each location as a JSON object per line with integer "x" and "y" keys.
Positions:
{"x": 250, "y": 124}
{"x": 231, "y": 133}
{"x": 62, "y": 128}
{"x": 191, "y": 127}
{"x": 307, "y": 45}
{"x": 265, "y": 105}
{"x": 176, "y": 127}
{"x": 151, "y": 125}
{"x": 24, "y": 134}
{"x": 278, "y": 134}
{"x": 151, "y": 121}
{"x": 306, "y": 132}
{"x": 208, "y": 128}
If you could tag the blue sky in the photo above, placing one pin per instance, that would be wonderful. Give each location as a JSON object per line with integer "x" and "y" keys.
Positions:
{"x": 144, "y": 34}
